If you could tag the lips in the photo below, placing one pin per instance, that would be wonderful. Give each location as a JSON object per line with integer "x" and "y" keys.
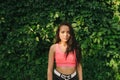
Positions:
{"x": 65, "y": 38}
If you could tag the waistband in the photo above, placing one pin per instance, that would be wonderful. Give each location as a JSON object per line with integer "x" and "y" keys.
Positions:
{"x": 66, "y": 77}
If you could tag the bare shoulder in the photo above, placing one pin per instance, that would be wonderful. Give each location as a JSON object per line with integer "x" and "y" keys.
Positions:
{"x": 52, "y": 47}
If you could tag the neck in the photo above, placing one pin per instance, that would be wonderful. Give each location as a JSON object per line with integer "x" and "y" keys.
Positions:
{"x": 63, "y": 43}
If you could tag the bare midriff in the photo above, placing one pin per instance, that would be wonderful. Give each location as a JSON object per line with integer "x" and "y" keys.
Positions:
{"x": 66, "y": 70}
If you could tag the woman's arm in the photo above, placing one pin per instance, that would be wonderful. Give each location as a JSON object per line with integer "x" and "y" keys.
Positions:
{"x": 50, "y": 63}
{"x": 79, "y": 70}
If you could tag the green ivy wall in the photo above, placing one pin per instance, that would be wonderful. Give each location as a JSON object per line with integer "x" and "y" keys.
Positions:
{"x": 27, "y": 29}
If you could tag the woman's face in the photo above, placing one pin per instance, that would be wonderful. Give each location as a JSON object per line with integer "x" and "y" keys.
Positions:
{"x": 64, "y": 33}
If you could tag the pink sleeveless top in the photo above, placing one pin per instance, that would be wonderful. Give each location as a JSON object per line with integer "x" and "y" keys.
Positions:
{"x": 61, "y": 60}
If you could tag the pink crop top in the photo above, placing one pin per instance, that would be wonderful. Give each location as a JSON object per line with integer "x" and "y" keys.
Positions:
{"x": 61, "y": 60}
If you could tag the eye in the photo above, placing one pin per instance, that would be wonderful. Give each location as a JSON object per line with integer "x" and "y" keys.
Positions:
{"x": 68, "y": 32}
{"x": 62, "y": 31}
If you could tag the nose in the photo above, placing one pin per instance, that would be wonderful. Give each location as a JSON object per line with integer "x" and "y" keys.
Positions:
{"x": 65, "y": 34}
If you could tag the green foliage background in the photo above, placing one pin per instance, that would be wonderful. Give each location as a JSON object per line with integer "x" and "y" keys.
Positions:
{"x": 27, "y": 29}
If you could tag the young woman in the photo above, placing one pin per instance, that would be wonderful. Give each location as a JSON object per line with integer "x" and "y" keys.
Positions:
{"x": 65, "y": 55}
